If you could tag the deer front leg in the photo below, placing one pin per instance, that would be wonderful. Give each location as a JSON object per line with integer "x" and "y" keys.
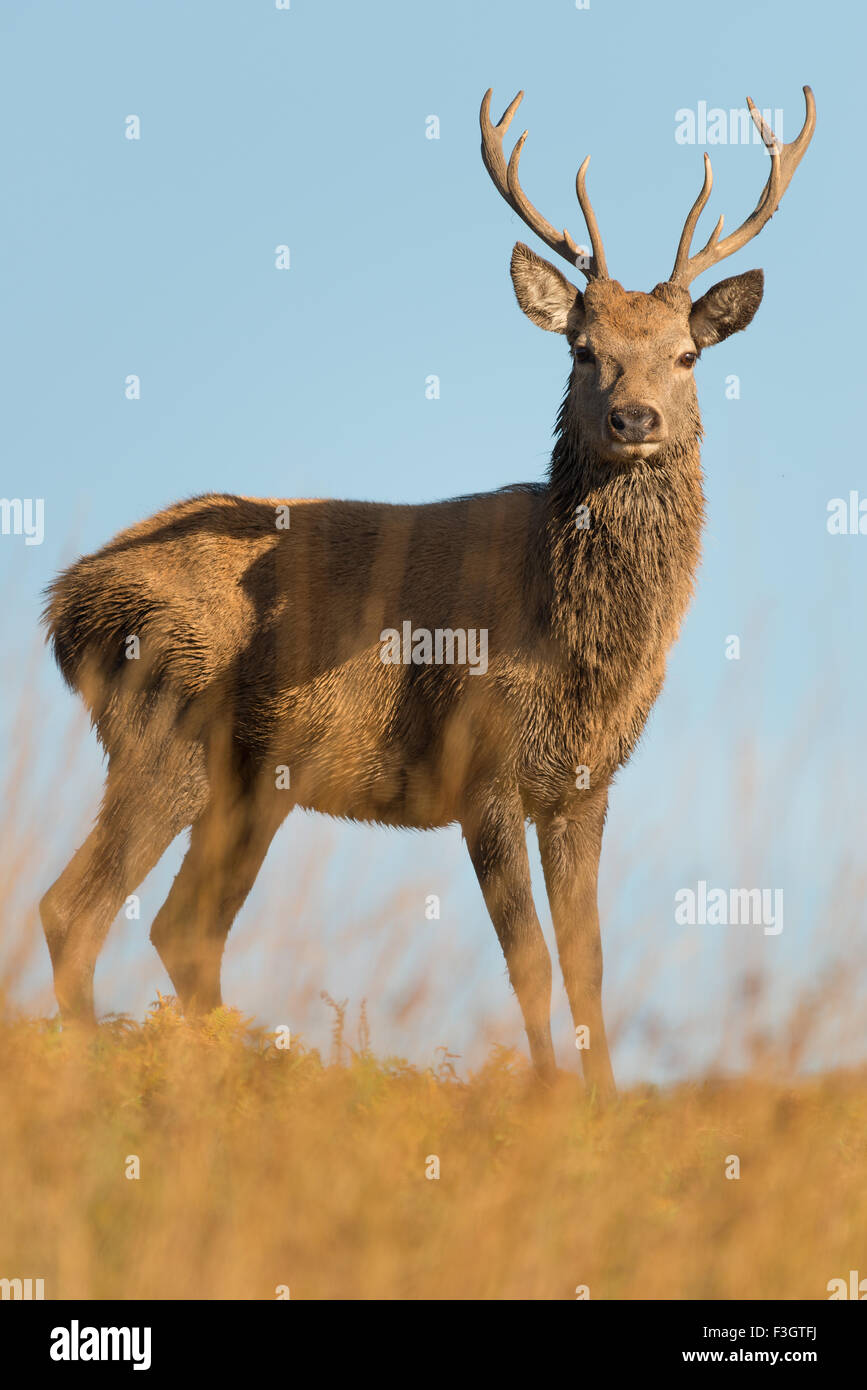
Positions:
{"x": 497, "y": 844}
{"x": 570, "y": 849}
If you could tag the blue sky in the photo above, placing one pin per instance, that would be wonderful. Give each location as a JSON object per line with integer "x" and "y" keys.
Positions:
{"x": 306, "y": 127}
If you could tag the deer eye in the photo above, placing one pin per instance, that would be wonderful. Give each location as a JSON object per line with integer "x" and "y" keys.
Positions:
{"x": 687, "y": 359}
{"x": 583, "y": 354}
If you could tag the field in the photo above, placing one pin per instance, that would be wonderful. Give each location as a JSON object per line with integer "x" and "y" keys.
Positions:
{"x": 264, "y": 1168}
{"x": 266, "y": 1171}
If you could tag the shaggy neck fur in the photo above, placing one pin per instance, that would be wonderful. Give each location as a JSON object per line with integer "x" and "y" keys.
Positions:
{"x": 620, "y": 584}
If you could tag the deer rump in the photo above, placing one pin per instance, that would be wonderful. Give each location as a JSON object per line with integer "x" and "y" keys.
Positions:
{"x": 210, "y": 636}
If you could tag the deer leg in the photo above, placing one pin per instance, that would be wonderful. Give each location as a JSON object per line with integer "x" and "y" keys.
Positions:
{"x": 570, "y": 851}
{"x": 227, "y": 847}
{"x": 136, "y": 824}
{"x": 496, "y": 841}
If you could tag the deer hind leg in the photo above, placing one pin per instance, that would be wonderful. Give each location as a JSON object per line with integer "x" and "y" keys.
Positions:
{"x": 497, "y": 844}
{"x": 570, "y": 851}
{"x": 228, "y": 845}
{"x": 143, "y": 808}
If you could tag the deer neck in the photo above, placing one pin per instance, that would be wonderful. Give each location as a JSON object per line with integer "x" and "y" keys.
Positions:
{"x": 623, "y": 545}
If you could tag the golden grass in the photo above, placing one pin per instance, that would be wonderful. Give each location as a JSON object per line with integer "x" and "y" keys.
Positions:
{"x": 263, "y": 1167}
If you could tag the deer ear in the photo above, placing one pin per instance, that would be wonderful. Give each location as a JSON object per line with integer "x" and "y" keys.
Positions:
{"x": 726, "y": 308}
{"x": 545, "y": 295}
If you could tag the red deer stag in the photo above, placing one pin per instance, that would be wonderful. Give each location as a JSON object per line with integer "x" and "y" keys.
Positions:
{"x": 268, "y": 668}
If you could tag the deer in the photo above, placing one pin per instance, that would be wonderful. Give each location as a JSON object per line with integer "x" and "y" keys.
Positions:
{"x": 236, "y": 654}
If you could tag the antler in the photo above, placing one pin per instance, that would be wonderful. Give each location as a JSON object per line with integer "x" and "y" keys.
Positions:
{"x": 506, "y": 182}
{"x": 784, "y": 161}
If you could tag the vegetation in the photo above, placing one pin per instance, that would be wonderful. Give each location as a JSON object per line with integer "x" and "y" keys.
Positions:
{"x": 264, "y": 1166}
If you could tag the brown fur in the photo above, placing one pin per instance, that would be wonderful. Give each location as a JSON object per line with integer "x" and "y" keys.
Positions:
{"x": 260, "y": 648}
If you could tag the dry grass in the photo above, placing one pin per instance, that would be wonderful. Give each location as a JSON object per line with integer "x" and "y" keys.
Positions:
{"x": 263, "y": 1167}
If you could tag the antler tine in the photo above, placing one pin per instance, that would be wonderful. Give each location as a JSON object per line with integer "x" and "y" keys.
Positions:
{"x": 784, "y": 161}
{"x": 492, "y": 141}
{"x": 692, "y": 217}
{"x": 506, "y": 181}
{"x": 590, "y": 218}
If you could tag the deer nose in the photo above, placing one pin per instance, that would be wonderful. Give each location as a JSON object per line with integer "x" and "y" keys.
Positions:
{"x": 633, "y": 424}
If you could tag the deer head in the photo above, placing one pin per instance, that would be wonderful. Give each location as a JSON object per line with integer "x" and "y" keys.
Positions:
{"x": 632, "y": 386}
